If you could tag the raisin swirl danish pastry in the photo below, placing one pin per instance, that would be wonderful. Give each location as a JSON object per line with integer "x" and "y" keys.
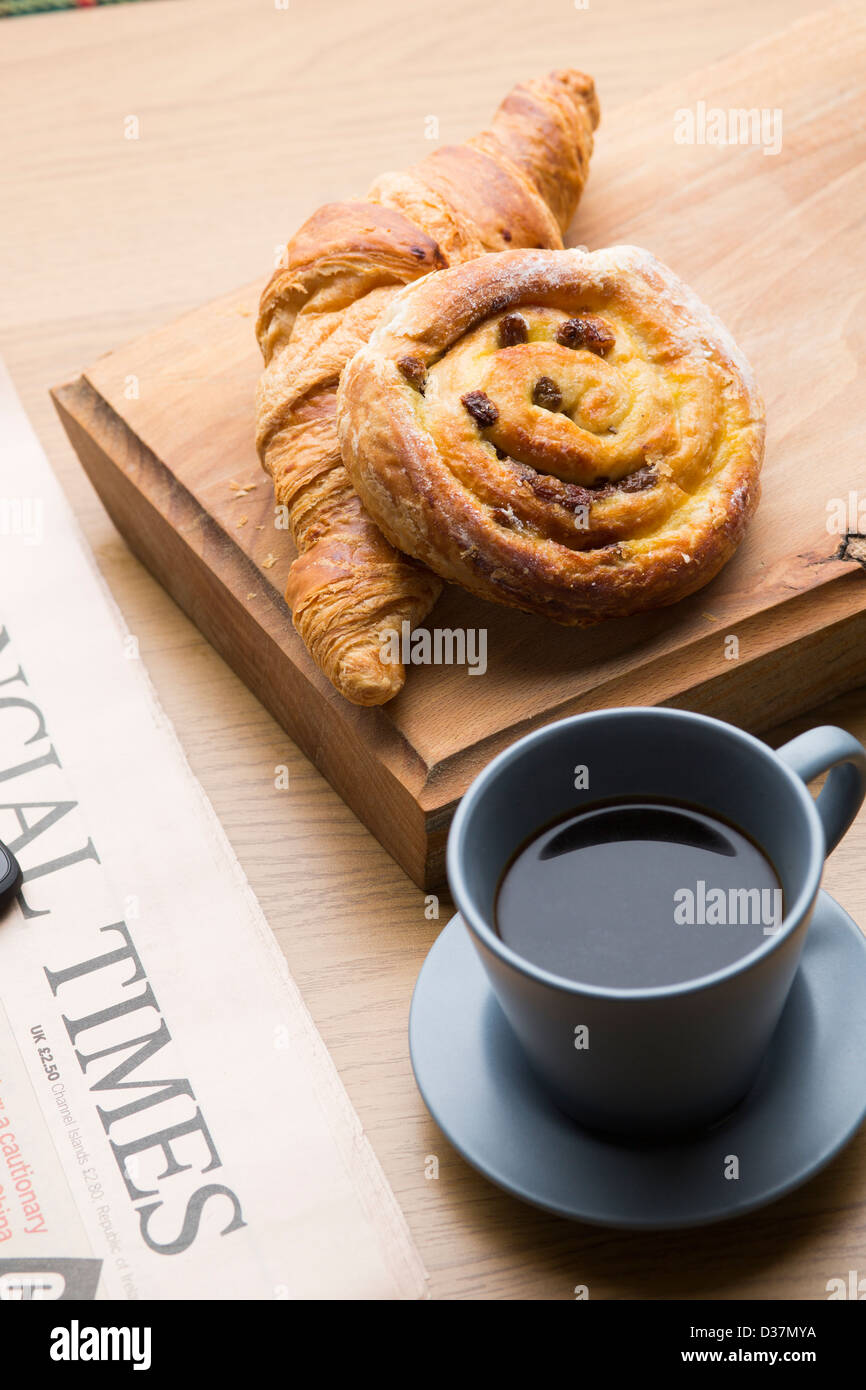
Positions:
{"x": 565, "y": 432}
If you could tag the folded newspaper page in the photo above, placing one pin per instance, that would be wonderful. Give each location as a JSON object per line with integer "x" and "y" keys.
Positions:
{"x": 171, "y": 1125}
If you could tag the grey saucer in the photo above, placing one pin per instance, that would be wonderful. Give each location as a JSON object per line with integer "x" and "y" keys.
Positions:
{"x": 807, "y": 1102}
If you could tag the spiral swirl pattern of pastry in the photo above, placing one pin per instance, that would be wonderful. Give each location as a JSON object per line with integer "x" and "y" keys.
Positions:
{"x": 569, "y": 433}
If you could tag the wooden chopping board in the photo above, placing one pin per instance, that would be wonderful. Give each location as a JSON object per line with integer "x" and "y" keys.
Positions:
{"x": 164, "y": 428}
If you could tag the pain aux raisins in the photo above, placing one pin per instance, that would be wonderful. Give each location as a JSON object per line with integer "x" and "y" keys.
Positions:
{"x": 481, "y": 408}
{"x": 546, "y": 393}
{"x": 513, "y": 329}
{"x": 589, "y": 333}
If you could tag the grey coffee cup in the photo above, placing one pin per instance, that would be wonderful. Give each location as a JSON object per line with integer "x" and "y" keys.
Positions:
{"x": 654, "y": 1061}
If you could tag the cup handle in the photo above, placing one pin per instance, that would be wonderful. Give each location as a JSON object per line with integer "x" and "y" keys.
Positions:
{"x": 830, "y": 749}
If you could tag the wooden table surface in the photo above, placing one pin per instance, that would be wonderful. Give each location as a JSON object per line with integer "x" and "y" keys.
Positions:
{"x": 249, "y": 116}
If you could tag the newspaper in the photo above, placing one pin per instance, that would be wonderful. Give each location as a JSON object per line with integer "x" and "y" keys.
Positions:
{"x": 171, "y": 1125}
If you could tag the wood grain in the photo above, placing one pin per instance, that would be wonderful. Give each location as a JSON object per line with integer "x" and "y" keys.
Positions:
{"x": 165, "y": 429}
{"x": 109, "y": 241}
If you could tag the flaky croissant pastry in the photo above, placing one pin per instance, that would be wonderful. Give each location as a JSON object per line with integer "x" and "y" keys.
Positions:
{"x": 569, "y": 433}
{"x": 517, "y": 184}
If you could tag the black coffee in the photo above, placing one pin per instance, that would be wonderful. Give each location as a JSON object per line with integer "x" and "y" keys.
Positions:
{"x": 633, "y": 894}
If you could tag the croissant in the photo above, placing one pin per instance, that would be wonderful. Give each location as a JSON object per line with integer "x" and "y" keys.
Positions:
{"x": 517, "y": 184}
{"x": 565, "y": 432}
